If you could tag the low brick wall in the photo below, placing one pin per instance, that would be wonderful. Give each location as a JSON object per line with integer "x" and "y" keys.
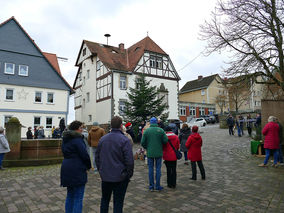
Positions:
{"x": 40, "y": 149}
{"x": 272, "y": 107}
{"x": 36, "y": 153}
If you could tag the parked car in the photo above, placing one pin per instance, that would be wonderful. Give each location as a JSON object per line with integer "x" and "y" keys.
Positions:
{"x": 212, "y": 119}
{"x": 198, "y": 122}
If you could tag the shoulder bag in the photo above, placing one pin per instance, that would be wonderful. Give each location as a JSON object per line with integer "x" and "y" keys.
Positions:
{"x": 178, "y": 153}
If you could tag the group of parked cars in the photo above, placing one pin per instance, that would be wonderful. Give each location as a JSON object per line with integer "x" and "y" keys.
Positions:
{"x": 203, "y": 120}
{"x": 200, "y": 122}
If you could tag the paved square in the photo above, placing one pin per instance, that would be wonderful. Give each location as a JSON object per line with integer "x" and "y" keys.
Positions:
{"x": 234, "y": 184}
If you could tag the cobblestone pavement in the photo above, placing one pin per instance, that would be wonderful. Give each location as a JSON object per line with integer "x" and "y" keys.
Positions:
{"x": 233, "y": 183}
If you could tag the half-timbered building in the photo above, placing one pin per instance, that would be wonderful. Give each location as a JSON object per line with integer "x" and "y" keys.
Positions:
{"x": 105, "y": 74}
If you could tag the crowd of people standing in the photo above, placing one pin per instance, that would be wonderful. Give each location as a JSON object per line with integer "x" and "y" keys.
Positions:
{"x": 113, "y": 159}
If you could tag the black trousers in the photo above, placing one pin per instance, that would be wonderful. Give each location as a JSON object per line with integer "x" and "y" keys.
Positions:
{"x": 201, "y": 168}
{"x": 249, "y": 130}
{"x": 171, "y": 173}
{"x": 119, "y": 190}
{"x": 231, "y": 132}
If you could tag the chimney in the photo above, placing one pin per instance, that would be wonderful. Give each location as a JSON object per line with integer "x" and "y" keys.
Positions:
{"x": 121, "y": 46}
{"x": 200, "y": 77}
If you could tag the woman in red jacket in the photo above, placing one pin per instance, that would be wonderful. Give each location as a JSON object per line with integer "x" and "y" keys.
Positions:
{"x": 271, "y": 141}
{"x": 170, "y": 158}
{"x": 193, "y": 144}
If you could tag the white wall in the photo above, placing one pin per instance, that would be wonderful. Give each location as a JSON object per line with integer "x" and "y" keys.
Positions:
{"x": 24, "y": 98}
{"x": 170, "y": 85}
{"x": 25, "y": 108}
{"x": 27, "y": 120}
{"x": 88, "y": 86}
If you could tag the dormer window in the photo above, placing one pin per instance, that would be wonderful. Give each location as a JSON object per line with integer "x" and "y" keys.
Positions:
{"x": 23, "y": 70}
{"x": 137, "y": 48}
{"x": 113, "y": 51}
{"x": 9, "y": 68}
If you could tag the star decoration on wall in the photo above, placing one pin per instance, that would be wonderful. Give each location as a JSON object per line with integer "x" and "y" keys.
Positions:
{"x": 22, "y": 94}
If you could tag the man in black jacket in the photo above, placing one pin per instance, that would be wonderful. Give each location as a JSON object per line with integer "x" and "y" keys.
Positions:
{"x": 231, "y": 123}
{"x": 29, "y": 133}
{"x": 115, "y": 163}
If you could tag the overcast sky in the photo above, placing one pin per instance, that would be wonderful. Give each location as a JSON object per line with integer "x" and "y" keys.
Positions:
{"x": 59, "y": 26}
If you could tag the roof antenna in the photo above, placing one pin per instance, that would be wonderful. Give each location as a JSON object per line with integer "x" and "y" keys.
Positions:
{"x": 107, "y": 35}
{"x": 147, "y": 33}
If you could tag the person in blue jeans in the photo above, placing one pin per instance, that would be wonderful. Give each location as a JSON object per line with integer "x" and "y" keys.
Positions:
{"x": 74, "y": 167}
{"x": 4, "y": 146}
{"x": 115, "y": 163}
{"x": 152, "y": 140}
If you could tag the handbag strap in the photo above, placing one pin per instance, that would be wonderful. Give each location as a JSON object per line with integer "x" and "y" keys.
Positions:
{"x": 171, "y": 145}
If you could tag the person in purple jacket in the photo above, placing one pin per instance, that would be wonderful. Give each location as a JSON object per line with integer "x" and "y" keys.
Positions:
{"x": 115, "y": 163}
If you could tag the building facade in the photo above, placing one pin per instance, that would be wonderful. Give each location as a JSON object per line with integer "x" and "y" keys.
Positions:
{"x": 105, "y": 74}
{"x": 31, "y": 85}
{"x": 198, "y": 97}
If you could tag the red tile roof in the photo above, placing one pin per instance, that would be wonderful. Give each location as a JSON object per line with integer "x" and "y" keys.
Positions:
{"x": 123, "y": 59}
{"x": 52, "y": 58}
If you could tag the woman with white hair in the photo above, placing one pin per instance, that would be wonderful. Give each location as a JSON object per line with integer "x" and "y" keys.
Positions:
{"x": 4, "y": 146}
{"x": 271, "y": 141}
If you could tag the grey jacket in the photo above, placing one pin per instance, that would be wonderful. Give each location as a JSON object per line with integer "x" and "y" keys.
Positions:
{"x": 4, "y": 145}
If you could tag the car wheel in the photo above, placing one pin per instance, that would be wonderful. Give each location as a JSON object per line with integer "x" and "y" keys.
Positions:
{"x": 204, "y": 124}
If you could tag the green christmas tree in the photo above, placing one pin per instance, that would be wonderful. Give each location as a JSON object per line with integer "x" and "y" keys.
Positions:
{"x": 144, "y": 103}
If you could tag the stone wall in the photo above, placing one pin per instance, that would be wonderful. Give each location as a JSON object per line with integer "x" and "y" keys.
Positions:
{"x": 272, "y": 107}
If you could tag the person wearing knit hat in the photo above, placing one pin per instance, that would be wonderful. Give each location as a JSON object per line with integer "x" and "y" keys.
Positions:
{"x": 193, "y": 144}
{"x": 95, "y": 134}
{"x": 129, "y": 130}
{"x": 152, "y": 140}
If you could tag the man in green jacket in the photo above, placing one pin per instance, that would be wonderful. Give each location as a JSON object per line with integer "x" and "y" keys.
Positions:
{"x": 152, "y": 140}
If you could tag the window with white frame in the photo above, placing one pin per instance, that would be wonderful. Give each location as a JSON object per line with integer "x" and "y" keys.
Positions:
{"x": 156, "y": 62}
{"x": 90, "y": 118}
{"x": 138, "y": 83}
{"x": 23, "y": 70}
{"x": 152, "y": 61}
{"x": 182, "y": 110}
{"x": 122, "y": 82}
{"x": 122, "y": 107}
{"x": 192, "y": 111}
{"x": 50, "y": 98}
{"x": 201, "y": 111}
{"x": 159, "y": 63}
{"x": 48, "y": 122}
{"x": 88, "y": 74}
{"x": 36, "y": 121}
{"x": 7, "y": 118}
{"x": 9, "y": 68}
{"x": 38, "y": 96}
{"x": 88, "y": 97}
{"x": 202, "y": 92}
{"x": 10, "y": 94}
